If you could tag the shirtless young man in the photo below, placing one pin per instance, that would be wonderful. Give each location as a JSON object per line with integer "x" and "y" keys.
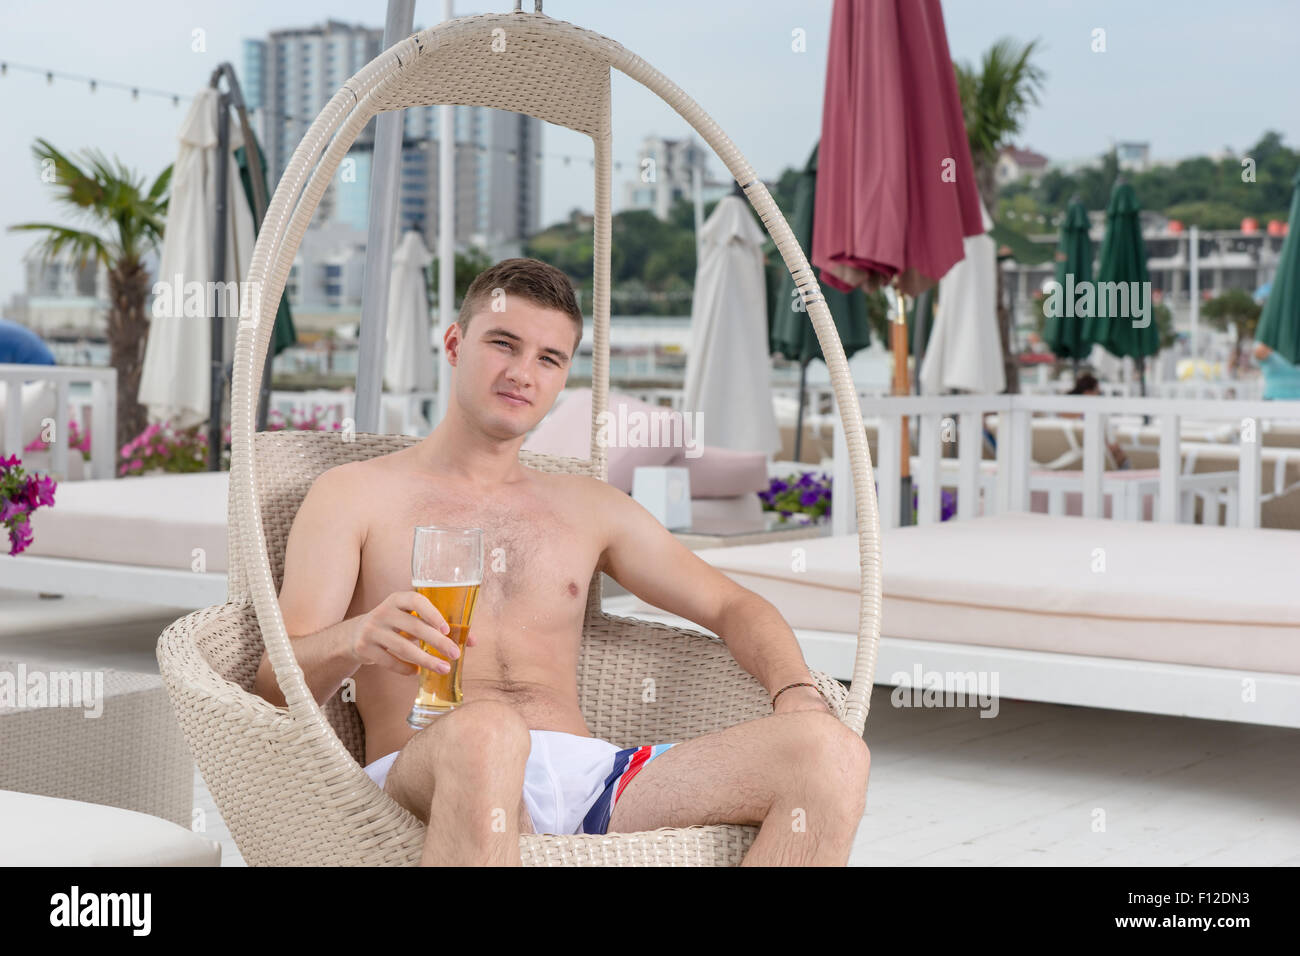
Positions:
{"x": 517, "y": 756}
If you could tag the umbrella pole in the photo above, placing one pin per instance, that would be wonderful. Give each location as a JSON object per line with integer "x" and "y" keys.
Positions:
{"x": 898, "y": 339}
{"x": 798, "y": 419}
{"x": 253, "y": 155}
{"x": 216, "y": 364}
{"x": 385, "y": 172}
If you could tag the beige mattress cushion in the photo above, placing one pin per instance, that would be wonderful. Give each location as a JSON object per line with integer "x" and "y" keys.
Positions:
{"x": 1188, "y": 594}
{"x": 155, "y": 521}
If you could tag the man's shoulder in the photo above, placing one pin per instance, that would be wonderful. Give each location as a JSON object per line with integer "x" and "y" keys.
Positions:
{"x": 350, "y": 474}
{"x": 586, "y": 488}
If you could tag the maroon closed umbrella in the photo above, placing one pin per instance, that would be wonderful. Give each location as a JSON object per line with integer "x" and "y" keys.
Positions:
{"x": 896, "y": 189}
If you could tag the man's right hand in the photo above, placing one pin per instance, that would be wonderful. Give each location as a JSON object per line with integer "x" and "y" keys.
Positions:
{"x": 385, "y": 636}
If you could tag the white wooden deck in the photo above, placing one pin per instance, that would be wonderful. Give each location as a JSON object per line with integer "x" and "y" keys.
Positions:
{"x": 1024, "y": 788}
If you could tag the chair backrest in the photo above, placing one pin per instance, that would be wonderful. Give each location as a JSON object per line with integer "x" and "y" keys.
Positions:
{"x": 288, "y": 462}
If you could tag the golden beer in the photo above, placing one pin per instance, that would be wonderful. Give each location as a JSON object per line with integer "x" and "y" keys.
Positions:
{"x": 447, "y": 568}
{"x": 455, "y": 602}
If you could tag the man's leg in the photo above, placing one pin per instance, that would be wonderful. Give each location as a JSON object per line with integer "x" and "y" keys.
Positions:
{"x": 463, "y": 775}
{"x": 801, "y": 777}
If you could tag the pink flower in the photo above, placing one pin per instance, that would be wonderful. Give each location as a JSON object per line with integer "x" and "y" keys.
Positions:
{"x": 136, "y": 464}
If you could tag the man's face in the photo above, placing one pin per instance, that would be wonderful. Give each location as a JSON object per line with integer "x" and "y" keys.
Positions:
{"x": 511, "y": 365}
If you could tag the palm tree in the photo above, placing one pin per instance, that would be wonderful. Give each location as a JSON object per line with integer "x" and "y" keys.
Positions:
{"x": 130, "y": 226}
{"x": 994, "y": 100}
{"x": 1239, "y": 309}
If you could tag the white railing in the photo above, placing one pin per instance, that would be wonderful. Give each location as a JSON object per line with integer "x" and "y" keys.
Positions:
{"x": 337, "y": 406}
{"x": 99, "y": 413}
{"x": 817, "y": 396}
{"x": 943, "y": 418}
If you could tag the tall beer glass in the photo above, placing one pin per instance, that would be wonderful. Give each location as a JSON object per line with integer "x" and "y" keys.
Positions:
{"x": 447, "y": 568}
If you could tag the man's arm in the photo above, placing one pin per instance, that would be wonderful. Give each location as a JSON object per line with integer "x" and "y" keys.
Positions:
{"x": 643, "y": 556}
{"x": 321, "y": 562}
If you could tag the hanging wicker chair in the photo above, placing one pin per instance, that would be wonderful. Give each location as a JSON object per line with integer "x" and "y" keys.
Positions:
{"x": 289, "y": 780}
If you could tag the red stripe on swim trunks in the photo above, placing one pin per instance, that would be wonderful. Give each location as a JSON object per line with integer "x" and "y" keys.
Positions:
{"x": 633, "y": 768}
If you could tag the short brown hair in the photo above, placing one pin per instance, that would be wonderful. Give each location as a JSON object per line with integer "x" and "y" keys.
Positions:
{"x": 530, "y": 279}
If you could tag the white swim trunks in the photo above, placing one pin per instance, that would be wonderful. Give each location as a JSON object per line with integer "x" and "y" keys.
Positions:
{"x": 571, "y": 783}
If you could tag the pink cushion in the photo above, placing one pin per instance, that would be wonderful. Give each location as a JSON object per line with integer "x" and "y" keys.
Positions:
{"x": 567, "y": 432}
{"x": 724, "y": 472}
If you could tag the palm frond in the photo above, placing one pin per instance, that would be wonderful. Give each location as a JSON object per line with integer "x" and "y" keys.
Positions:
{"x": 161, "y": 184}
{"x": 996, "y": 96}
{"x": 61, "y": 241}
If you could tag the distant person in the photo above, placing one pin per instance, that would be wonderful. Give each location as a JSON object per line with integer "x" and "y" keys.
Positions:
{"x": 19, "y": 345}
{"x": 1087, "y": 384}
{"x": 1281, "y": 378}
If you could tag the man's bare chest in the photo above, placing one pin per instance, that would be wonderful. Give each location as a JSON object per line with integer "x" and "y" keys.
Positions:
{"x": 537, "y": 559}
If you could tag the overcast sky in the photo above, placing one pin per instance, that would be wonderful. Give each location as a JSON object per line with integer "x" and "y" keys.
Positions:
{"x": 1188, "y": 76}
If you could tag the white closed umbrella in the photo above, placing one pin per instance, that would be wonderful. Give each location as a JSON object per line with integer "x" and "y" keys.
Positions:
{"x": 728, "y": 370}
{"x": 174, "y": 382}
{"x": 408, "y": 355}
{"x": 965, "y": 348}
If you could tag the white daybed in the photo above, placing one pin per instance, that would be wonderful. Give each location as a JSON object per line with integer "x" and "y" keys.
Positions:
{"x": 1175, "y": 619}
{"x": 158, "y": 539}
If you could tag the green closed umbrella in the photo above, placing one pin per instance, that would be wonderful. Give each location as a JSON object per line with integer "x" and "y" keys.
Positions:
{"x": 1279, "y": 323}
{"x": 790, "y": 330}
{"x": 1123, "y": 260}
{"x": 1064, "y": 333}
{"x": 283, "y": 335}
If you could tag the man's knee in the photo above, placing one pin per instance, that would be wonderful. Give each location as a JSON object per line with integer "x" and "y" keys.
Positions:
{"x": 483, "y": 731}
{"x": 828, "y": 754}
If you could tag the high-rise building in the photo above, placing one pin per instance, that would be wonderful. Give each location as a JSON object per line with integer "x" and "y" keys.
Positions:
{"x": 665, "y": 173}
{"x": 290, "y": 76}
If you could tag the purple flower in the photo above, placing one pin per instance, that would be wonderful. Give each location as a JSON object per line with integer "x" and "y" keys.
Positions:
{"x": 11, "y": 509}
{"x": 45, "y": 491}
{"x": 20, "y": 536}
{"x": 809, "y": 498}
{"x": 9, "y": 462}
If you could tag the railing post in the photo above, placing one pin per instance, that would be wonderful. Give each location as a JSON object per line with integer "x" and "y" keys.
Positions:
{"x": 1092, "y": 467}
{"x": 928, "y": 473}
{"x": 1015, "y": 455}
{"x": 1248, "y": 469}
{"x": 887, "y": 472}
{"x": 970, "y": 452}
{"x": 1171, "y": 460}
{"x": 13, "y": 444}
{"x": 59, "y": 446}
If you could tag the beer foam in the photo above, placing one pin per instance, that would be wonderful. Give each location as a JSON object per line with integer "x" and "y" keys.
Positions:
{"x": 446, "y": 584}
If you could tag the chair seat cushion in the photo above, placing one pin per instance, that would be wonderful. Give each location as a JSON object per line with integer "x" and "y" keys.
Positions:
{"x": 723, "y": 472}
